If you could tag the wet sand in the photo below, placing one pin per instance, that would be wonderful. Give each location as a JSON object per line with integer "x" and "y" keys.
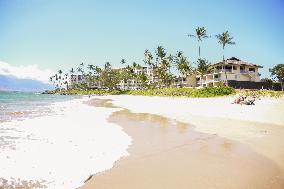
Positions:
{"x": 169, "y": 154}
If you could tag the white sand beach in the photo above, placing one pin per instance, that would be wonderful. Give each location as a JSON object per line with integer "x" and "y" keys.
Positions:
{"x": 258, "y": 128}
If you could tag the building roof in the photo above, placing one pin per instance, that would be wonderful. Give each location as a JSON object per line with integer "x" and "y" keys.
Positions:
{"x": 236, "y": 61}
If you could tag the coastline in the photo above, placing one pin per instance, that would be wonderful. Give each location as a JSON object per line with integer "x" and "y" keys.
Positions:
{"x": 223, "y": 138}
{"x": 53, "y": 151}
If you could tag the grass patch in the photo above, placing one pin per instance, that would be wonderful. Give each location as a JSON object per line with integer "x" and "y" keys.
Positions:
{"x": 172, "y": 92}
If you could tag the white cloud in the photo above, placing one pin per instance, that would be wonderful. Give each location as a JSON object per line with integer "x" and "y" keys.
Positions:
{"x": 26, "y": 72}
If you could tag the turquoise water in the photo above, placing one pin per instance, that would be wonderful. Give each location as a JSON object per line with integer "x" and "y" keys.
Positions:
{"x": 19, "y": 105}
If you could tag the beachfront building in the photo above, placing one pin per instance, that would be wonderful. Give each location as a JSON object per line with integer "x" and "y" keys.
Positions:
{"x": 132, "y": 84}
{"x": 77, "y": 79}
{"x": 231, "y": 70}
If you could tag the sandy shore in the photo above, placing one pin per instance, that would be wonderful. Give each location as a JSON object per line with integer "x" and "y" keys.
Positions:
{"x": 206, "y": 143}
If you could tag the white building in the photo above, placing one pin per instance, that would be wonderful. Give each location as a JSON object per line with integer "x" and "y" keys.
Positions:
{"x": 230, "y": 69}
{"x": 81, "y": 79}
{"x": 132, "y": 84}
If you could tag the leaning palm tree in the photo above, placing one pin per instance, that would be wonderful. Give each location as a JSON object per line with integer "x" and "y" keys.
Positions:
{"x": 200, "y": 34}
{"x": 225, "y": 39}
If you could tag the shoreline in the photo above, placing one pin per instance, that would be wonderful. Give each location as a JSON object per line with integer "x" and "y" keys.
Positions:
{"x": 53, "y": 150}
{"x": 157, "y": 156}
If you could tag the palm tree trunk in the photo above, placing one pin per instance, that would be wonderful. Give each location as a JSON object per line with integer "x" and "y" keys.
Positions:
{"x": 226, "y": 81}
{"x": 199, "y": 50}
{"x": 223, "y": 52}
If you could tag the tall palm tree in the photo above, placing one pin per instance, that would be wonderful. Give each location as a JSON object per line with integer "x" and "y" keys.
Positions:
{"x": 91, "y": 69}
{"x": 107, "y": 66}
{"x": 225, "y": 39}
{"x": 203, "y": 67}
{"x": 66, "y": 80}
{"x": 200, "y": 34}
{"x": 72, "y": 71}
{"x": 134, "y": 65}
{"x": 161, "y": 54}
{"x": 170, "y": 60}
{"x": 123, "y": 61}
{"x": 148, "y": 57}
{"x": 60, "y": 76}
{"x": 81, "y": 68}
{"x": 182, "y": 64}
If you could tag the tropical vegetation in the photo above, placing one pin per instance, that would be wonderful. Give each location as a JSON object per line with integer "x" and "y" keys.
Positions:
{"x": 167, "y": 72}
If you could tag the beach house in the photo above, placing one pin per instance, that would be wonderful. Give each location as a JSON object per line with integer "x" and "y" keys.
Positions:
{"x": 232, "y": 71}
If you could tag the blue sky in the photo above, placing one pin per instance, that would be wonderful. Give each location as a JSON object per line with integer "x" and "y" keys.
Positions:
{"x": 58, "y": 34}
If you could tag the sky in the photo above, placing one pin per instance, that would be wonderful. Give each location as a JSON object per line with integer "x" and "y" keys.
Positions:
{"x": 47, "y": 35}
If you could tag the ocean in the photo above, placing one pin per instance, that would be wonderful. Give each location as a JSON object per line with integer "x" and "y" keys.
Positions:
{"x": 55, "y": 141}
{"x": 20, "y": 105}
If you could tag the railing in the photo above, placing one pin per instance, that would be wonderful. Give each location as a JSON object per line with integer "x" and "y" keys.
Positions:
{"x": 208, "y": 81}
{"x": 224, "y": 70}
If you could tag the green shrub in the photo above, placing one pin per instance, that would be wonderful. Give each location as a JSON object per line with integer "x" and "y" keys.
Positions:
{"x": 185, "y": 92}
{"x": 173, "y": 92}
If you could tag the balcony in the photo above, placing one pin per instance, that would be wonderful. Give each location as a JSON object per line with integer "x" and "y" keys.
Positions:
{"x": 219, "y": 71}
{"x": 208, "y": 81}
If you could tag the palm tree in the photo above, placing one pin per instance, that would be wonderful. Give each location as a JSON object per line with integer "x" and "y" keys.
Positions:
{"x": 161, "y": 54}
{"x": 107, "y": 66}
{"x": 81, "y": 68}
{"x": 203, "y": 67}
{"x": 66, "y": 80}
{"x": 134, "y": 65}
{"x": 72, "y": 71}
{"x": 148, "y": 58}
{"x": 200, "y": 34}
{"x": 182, "y": 64}
{"x": 225, "y": 39}
{"x": 60, "y": 77}
{"x": 170, "y": 62}
{"x": 123, "y": 61}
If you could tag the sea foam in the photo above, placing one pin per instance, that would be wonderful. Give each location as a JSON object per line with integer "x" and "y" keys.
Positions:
{"x": 63, "y": 149}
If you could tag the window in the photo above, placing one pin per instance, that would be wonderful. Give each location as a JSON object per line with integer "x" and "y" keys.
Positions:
{"x": 216, "y": 76}
{"x": 228, "y": 67}
{"x": 235, "y": 67}
{"x": 252, "y": 69}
